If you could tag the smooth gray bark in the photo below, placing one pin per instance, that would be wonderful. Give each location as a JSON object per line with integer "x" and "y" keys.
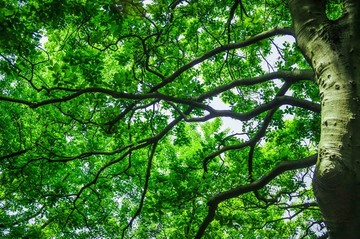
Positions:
{"x": 333, "y": 50}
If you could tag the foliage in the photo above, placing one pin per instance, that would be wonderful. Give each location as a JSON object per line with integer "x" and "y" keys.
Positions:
{"x": 109, "y": 126}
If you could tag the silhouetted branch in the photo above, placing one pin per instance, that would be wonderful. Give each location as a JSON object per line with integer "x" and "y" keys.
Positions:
{"x": 252, "y": 40}
{"x": 260, "y": 183}
{"x": 175, "y": 3}
{"x": 261, "y": 132}
{"x": 287, "y": 76}
{"x": 14, "y": 154}
{"x": 232, "y": 14}
{"x": 146, "y": 185}
{"x": 274, "y": 104}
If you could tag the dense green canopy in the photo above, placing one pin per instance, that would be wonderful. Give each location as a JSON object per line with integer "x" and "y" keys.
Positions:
{"x": 111, "y": 126}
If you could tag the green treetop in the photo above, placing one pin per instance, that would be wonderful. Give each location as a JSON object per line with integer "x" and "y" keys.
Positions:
{"x": 109, "y": 125}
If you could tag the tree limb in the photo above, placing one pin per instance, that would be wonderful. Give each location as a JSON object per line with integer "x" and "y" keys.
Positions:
{"x": 274, "y": 104}
{"x": 288, "y": 76}
{"x": 146, "y": 185}
{"x": 260, "y": 183}
{"x": 252, "y": 40}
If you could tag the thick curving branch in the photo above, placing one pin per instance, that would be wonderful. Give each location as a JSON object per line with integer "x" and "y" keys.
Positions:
{"x": 260, "y": 183}
{"x": 261, "y": 132}
{"x": 288, "y": 76}
{"x": 274, "y": 104}
{"x": 220, "y": 49}
{"x": 257, "y": 137}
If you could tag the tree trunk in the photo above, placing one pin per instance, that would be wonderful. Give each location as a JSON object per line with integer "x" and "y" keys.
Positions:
{"x": 333, "y": 50}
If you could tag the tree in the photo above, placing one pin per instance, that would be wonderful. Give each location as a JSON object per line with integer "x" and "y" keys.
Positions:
{"x": 109, "y": 126}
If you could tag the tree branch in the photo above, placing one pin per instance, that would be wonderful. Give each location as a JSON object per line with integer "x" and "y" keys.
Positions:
{"x": 256, "y": 138}
{"x": 174, "y": 4}
{"x": 252, "y": 40}
{"x": 20, "y": 152}
{"x": 274, "y": 104}
{"x": 261, "y": 132}
{"x": 288, "y": 76}
{"x": 146, "y": 185}
{"x": 232, "y": 193}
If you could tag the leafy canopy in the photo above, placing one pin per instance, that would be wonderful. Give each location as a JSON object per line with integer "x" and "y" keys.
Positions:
{"x": 110, "y": 126}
